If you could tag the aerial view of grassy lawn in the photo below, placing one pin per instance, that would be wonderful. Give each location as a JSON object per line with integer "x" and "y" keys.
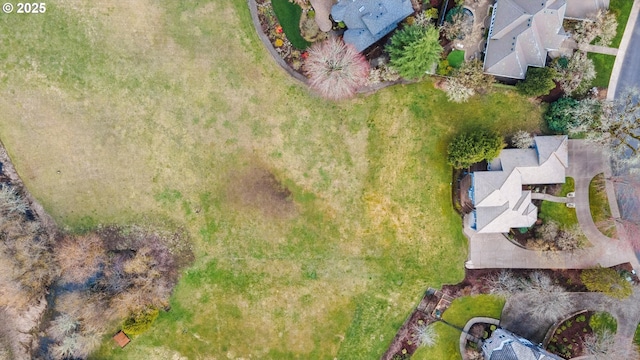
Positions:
{"x": 316, "y": 225}
{"x": 559, "y": 212}
{"x": 604, "y": 66}
{"x": 622, "y": 9}
{"x": 462, "y": 310}
{"x": 599, "y": 206}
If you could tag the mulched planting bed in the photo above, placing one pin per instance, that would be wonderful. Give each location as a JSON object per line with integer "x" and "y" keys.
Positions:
{"x": 567, "y": 341}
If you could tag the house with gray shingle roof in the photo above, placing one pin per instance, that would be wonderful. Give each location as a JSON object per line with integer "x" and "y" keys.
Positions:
{"x": 497, "y": 196}
{"x": 520, "y": 35}
{"x": 368, "y": 21}
{"x": 504, "y": 345}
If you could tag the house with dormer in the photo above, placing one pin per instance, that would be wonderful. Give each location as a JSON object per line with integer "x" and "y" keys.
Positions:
{"x": 498, "y": 199}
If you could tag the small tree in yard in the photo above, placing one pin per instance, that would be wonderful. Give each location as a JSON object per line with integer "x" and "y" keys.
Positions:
{"x": 538, "y": 82}
{"x": 459, "y": 26}
{"x": 601, "y": 28}
{"x": 414, "y": 50}
{"x": 522, "y": 140}
{"x": 457, "y": 91}
{"x": 617, "y": 127}
{"x": 468, "y": 80}
{"x": 467, "y": 149}
{"x": 336, "y": 70}
{"x": 559, "y": 116}
{"x": 607, "y": 281}
{"x": 425, "y": 335}
{"x": 575, "y": 74}
{"x": 545, "y": 300}
{"x": 603, "y": 345}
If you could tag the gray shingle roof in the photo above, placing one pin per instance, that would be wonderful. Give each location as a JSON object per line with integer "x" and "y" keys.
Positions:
{"x": 500, "y": 203}
{"x": 368, "y": 21}
{"x": 581, "y": 9}
{"x": 521, "y": 34}
{"x": 503, "y": 345}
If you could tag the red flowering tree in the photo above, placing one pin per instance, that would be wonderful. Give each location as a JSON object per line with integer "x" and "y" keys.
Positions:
{"x": 336, "y": 70}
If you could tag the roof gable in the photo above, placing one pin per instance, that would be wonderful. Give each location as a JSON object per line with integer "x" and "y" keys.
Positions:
{"x": 527, "y": 29}
{"x": 368, "y": 21}
{"x": 497, "y": 195}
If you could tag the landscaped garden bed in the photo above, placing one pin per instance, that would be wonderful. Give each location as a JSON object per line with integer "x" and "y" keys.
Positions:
{"x": 279, "y": 21}
{"x": 568, "y": 337}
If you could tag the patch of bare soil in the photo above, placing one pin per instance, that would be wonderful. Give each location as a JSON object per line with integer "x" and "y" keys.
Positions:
{"x": 259, "y": 189}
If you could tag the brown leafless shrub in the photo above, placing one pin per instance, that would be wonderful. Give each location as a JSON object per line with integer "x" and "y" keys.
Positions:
{"x": 604, "y": 345}
{"x": 80, "y": 257}
{"x": 459, "y": 27}
{"x": 25, "y": 252}
{"x": 62, "y": 326}
{"x": 545, "y": 299}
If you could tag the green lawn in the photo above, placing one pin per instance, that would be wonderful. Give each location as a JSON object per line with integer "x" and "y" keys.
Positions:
{"x": 604, "y": 66}
{"x": 461, "y": 311}
{"x": 456, "y": 58}
{"x": 288, "y": 15}
{"x": 622, "y": 9}
{"x": 559, "y": 212}
{"x": 599, "y": 205}
{"x": 170, "y": 112}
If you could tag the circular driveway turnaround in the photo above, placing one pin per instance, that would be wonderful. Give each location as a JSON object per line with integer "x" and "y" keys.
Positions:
{"x": 495, "y": 251}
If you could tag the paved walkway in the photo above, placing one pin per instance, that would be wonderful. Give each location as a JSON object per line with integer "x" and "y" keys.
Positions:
{"x": 616, "y": 73}
{"x": 547, "y": 197}
{"x": 598, "y": 49}
{"x": 495, "y": 251}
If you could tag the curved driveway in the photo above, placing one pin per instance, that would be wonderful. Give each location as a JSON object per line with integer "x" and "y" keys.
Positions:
{"x": 495, "y": 251}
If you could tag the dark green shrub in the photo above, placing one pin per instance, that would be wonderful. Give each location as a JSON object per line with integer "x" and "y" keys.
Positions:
{"x": 539, "y": 82}
{"x": 559, "y": 116}
{"x": 607, "y": 281}
{"x": 467, "y": 149}
{"x": 603, "y": 321}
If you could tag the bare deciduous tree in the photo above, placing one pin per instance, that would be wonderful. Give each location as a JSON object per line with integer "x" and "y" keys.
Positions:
{"x": 616, "y": 128}
{"x": 424, "y": 335}
{"x": 459, "y": 26}
{"x": 601, "y": 27}
{"x": 522, "y": 139}
{"x": 545, "y": 299}
{"x": 80, "y": 257}
{"x": 457, "y": 91}
{"x": 468, "y": 80}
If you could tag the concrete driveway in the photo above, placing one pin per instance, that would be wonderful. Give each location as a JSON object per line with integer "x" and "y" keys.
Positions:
{"x": 515, "y": 316}
{"x": 496, "y": 251}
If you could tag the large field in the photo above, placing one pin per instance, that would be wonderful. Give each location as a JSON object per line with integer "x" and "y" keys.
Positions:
{"x": 317, "y": 226}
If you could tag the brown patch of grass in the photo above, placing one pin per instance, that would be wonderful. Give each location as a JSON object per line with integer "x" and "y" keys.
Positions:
{"x": 259, "y": 189}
